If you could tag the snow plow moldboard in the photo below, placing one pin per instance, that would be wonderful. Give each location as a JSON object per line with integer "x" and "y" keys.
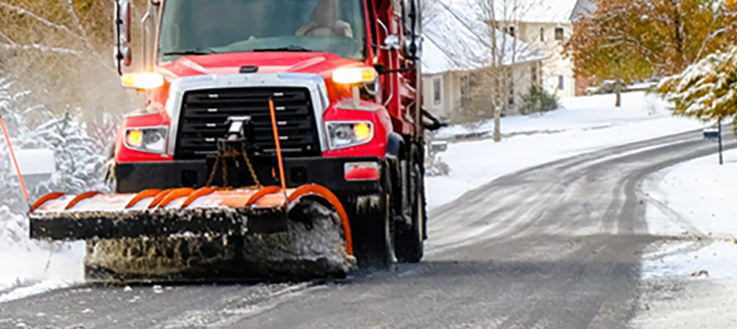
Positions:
{"x": 185, "y": 234}
{"x": 155, "y": 223}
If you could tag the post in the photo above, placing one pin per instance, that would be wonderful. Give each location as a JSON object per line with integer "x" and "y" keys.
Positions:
{"x": 721, "y": 157}
{"x": 15, "y": 161}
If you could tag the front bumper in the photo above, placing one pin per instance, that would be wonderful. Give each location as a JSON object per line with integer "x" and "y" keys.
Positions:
{"x": 329, "y": 172}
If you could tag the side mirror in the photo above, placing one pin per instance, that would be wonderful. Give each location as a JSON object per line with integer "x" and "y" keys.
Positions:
{"x": 123, "y": 52}
{"x": 391, "y": 43}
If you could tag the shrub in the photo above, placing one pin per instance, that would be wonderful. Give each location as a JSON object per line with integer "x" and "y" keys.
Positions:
{"x": 537, "y": 100}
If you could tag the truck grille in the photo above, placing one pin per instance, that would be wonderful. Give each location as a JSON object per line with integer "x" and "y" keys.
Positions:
{"x": 204, "y": 113}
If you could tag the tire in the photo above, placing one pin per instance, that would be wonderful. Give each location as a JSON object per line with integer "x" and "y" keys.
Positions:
{"x": 409, "y": 239}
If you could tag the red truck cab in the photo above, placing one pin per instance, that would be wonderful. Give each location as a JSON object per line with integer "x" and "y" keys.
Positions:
{"x": 343, "y": 76}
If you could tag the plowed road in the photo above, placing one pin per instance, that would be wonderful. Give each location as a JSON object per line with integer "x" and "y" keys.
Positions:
{"x": 556, "y": 246}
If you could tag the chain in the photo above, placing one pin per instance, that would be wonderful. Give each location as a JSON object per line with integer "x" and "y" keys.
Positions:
{"x": 250, "y": 168}
{"x": 214, "y": 169}
{"x": 224, "y": 168}
{"x": 221, "y": 160}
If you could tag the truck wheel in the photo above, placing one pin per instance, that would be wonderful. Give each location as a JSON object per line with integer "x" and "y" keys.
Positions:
{"x": 409, "y": 239}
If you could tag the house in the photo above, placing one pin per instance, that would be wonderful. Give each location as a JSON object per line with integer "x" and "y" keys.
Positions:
{"x": 458, "y": 62}
{"x": 583, "y": 7}
{"x": 547, "y": 25}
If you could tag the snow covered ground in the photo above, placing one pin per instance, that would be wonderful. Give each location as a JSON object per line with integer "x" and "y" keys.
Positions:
{"x": 584, "y": 124}
{"x": 691, "y": 281}
{"x": 30, "y": 267}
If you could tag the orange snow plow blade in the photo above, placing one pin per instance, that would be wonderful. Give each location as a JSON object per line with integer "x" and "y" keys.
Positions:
{"x": 269, "y": 232}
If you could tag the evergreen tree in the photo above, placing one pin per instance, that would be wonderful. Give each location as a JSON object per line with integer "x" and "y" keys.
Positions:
{"x": 706, "y": 90}
{"x": 79, "y": 165}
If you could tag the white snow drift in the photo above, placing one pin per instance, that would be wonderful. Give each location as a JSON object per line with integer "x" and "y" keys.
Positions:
{"x": 584, "y": 124}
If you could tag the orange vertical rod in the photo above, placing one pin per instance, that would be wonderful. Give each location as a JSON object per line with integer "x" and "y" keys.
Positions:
{"x": 278, "y": 146}
{"x": 15, "y": 161}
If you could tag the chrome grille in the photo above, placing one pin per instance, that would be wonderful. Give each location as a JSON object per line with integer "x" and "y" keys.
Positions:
{"x": 204, "y": 114}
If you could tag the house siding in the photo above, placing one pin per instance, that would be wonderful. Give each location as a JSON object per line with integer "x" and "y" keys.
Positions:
{"x": 557, "y": 64}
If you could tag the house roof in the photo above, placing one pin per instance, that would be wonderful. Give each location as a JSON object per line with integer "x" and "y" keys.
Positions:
{"x": 549, "y": 11}
{"x": 531, "y": 11}
{"x": 583, "y": 7}
{"x": 456, "y": 41}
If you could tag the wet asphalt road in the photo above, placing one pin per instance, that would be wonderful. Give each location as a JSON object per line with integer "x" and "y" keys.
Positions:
{"x": 556, "y": 246}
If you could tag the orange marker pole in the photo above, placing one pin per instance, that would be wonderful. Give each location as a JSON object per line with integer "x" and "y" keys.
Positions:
{"x": 15, "y": 161}
{"x": 278, "y": 147}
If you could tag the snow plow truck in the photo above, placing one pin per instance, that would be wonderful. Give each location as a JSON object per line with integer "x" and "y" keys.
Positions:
{"x": 280, "y": 139}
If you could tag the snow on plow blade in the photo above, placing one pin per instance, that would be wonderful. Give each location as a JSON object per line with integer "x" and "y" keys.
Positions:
{"x": 184, "y": 234}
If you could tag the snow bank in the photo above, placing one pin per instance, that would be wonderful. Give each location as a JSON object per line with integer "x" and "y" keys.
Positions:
{"x": 575, "y": 113}
{"x": 31, "y": 267}
{"x": 585, "y": 124}
{"x": 701, "y": 192}
{"x": 690, "y": 280}
{"x": 700, "y": 196}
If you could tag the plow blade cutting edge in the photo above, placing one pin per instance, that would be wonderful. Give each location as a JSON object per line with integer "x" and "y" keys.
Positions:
{"x": 186, "y": 234}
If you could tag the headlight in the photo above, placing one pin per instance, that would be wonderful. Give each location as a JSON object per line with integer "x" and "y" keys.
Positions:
{"x": 347, "y": 134}
{"x": 143, "y": 80}
{"x": 150, "y": 139}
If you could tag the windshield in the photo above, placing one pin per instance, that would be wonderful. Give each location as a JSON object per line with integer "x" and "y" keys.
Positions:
{"x": 193, "y": 27}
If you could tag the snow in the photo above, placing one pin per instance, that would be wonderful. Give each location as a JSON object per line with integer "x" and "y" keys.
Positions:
{"x": 550, "y": 11}
{"x": 701, "y": 192}
{"x": 584, "y": 124}
{"x": 31, "y": 267}
{"x": 694, "y": 269}
{"x": 699, "y": 196}
{"x": 457, "y": 41}
{"x": 534, "y": 11}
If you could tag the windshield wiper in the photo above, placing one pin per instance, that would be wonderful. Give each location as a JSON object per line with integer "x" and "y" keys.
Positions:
{"x": 288, "y": 48}
{"x": 193, "y": 51}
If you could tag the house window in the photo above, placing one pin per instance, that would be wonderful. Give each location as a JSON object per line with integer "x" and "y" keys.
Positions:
{"x": 534, "y": 74}
{"x": 561, "y": 80}
{"x": 511, "y": 30}
{"x": 559, "y": 33}
{"x": 542, "y": 34}
{"x": 436, "y": 90}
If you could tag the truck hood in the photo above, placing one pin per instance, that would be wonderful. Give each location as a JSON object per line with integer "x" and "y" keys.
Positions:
{"x": 266, "y": 62}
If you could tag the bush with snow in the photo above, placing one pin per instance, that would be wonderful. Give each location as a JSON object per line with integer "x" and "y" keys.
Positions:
{"x": 79, "y": 157}
{"x": 706, "y": 90}
{"x": 435, "y": 166}
{"x": 538, "y": 100}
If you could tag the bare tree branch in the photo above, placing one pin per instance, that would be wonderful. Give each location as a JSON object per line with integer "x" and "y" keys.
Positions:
{"x": 42, "y": 49}
{"x": 38, "y": 18}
